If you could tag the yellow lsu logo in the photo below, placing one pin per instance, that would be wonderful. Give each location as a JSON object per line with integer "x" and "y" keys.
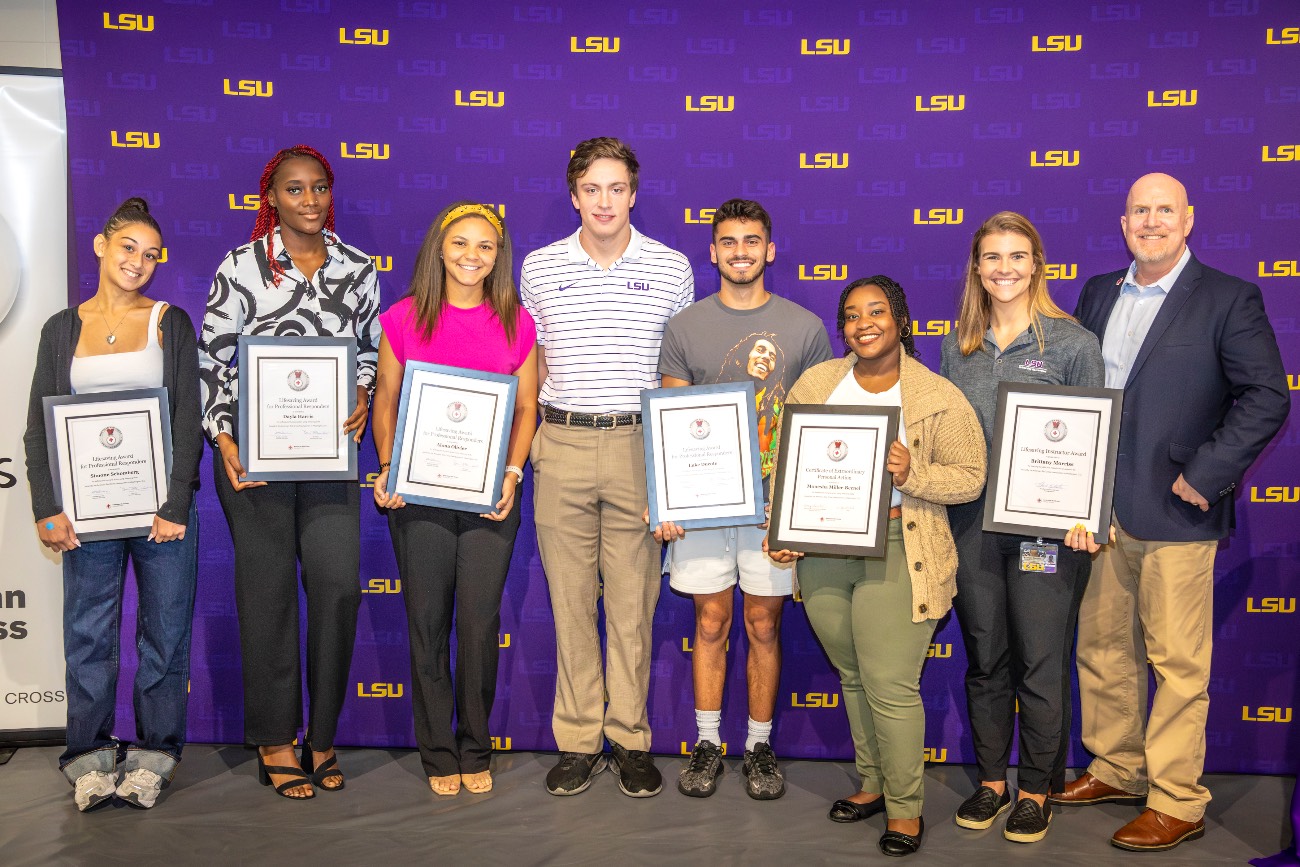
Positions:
{"x": 127, "y": 21}
{"x": 135, "y": 139}
{"x": 938, "y": 217}
{"x": 1292, "y": 379}
{"x": 1171, "y": 98}
{"x": 1057, "y": 43}
{"x": 815, "y": 699}
{"x": 1286, "y": 36}
{"x": 687, "y": 748}
{"x": 364, "y": 151}
{"x": 942, "y": 102}
{"x": 704, "y": 215}
{"x": 383, "y": 585}
{"x": 1266, "y": 714}
{"x": 1275, "y": 494}
{"x": 934, "y": 756}
{"x": 382, "y": 263}
{"x": 362, "y": 36}
{"x": 933, "y": 328}
{"x": 687, "y": 648}
{"x": 245, "y": 87}
{"x": 250, "y": 202}
{"x": 1279, "y": 268}
{"x": 499, "y": 743}
{"x": 1054, "y": 159}
{"x": 1060, "y": 272}
{"x": 503, "y": 639}
{"x": 824, "y": 161}
{"x": 824, "y": 47}
{"x": 380, "y": 690}
{"x": 594, "y": 45}
{"x": 824, "y": 272}
{"x": 481, "y": 98}
{"x": 1271, "y": 605}
{"x": 710, "y": 103}
{"x": 939, "y": 651}
{"x": 1282, "y": 154}
{"x": 162, "y": 257}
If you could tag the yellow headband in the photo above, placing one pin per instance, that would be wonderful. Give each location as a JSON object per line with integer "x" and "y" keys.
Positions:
{"x": 472, "y": 210}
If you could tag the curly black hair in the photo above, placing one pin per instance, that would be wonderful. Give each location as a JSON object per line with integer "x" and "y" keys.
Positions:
{"x": 897, "y": 307}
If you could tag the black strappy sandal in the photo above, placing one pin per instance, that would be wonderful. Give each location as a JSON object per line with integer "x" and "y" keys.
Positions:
{"x": 264, "y": 772}
{"x": 328, "y": 771}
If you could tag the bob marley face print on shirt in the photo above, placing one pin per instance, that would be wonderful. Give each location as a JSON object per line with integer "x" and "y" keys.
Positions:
{"x": 760, "y": 358}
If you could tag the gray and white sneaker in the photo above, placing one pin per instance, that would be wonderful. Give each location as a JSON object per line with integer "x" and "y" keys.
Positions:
{"x": 140, "y": 788}
{"x": 764, "y": 780}
{"x": 93, "y": 789}
{"x": 699, "y": 778}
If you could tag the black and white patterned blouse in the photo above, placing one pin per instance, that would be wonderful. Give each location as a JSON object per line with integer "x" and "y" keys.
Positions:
{"x": 341, "y": 299}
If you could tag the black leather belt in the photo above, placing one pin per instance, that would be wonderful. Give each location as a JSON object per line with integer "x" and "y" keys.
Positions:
{"x": 602, "y": 421}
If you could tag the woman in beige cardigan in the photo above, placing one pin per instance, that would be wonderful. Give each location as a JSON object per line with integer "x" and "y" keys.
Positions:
{"x": 875, "y": 617}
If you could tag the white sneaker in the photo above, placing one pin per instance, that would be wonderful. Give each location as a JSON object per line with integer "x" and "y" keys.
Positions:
{"x": 93, "y": 788}
{"x": 140, "y": 788}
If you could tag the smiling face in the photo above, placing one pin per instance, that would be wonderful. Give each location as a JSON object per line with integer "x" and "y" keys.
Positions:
{"x": 1006, "y": 268}
{"x": 300, "y": 193}
{"x": 1156, "y": 223}
{"x": 469, "y": 250}
{"x": 741, "y": 250}
{"x": 762, "y": 359}
{"x": 127, "y": 257}
{"x": 604, "y": 198}
{"x": 869, "y": 327}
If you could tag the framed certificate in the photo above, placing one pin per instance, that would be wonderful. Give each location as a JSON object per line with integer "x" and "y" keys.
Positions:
{"x": 1052, "y": 463}
{"x": 110, "y": 458}
{"x": 831, "y": 492}
{"x": 295, "y": 393}
{"x": 702, "y": 460}
{"x": 453, "y": 437}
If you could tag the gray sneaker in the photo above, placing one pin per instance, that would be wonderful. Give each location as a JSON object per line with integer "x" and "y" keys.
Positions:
{"x": 140, "y": 788}
{"x": 699, "y": 778}
{"x": 93, "y": 789}
{"x": 764, "y": 781}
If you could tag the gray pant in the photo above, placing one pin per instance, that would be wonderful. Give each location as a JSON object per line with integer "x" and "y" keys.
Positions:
{"x": 861, "y": 610}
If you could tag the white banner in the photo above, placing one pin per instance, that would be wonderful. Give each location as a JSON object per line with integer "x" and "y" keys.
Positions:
{"x": 33, "y": 286}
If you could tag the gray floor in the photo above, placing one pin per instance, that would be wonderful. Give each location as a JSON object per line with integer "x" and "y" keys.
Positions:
{"x": 215, "y": 813}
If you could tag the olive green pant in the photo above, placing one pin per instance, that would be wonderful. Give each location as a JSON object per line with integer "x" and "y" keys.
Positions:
{"x": 861, "y": 610}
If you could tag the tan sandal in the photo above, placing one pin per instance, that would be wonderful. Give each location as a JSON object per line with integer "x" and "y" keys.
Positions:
{"x": 479, "y": 783}
{"x": 448, "y": 785}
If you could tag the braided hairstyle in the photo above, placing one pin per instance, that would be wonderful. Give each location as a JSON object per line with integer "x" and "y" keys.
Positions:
{"x": 897, "y": 299}
{"x": 268, "y": 218}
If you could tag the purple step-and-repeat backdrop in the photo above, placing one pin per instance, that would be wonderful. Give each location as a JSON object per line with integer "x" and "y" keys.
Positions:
{"x": 878, "y": 134}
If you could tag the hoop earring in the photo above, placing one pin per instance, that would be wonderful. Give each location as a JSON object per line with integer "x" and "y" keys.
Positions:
{"x": 905, "y": 333}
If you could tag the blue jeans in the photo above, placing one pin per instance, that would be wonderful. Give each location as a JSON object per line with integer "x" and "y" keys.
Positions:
{"x": 93, "y": 577}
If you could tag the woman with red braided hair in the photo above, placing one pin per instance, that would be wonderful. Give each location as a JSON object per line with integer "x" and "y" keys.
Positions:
{"x": 294, "y": 278}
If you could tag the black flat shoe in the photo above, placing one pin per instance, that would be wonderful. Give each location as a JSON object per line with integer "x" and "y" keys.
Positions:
{"x": 845, "y": 810}
{"x": 898, "y": 844}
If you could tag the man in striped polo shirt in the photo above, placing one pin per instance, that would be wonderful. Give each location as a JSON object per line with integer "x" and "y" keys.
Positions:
{"x": 601, "y": 298}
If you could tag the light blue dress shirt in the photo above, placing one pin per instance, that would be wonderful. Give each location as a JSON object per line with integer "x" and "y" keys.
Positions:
{"x": 1131, "y": 319}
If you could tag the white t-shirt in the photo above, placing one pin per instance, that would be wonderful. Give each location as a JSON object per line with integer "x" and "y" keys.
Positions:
{"x": 850, "y": 393}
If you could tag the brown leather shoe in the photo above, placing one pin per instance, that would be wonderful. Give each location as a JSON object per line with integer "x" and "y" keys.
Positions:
{"x": 1154, "y": 831}
{"x": 1087, "y": 789}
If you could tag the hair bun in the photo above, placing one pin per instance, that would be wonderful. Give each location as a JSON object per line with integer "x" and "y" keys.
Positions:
{"x": 135, "y": 203}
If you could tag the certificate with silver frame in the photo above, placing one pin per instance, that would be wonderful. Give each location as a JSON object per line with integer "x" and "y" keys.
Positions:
{"x": 295, "y": 393}
{"x": 453, "y": 437}
{"x": 832, "y": 489}
{"x": 1052, "y": 464}
{"x": 702, "y": 460}
{"x": 110, "y": 458}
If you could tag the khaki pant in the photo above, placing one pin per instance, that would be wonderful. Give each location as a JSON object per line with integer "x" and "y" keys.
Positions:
{"x": 1149, "y": 602}
{"x": 589, "y": 494}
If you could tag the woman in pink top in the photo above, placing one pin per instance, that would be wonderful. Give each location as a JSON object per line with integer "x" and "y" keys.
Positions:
{"x": 462, "y": 310}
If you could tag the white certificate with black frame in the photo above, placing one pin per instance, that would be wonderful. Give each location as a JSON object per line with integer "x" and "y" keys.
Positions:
{"x": 832, "y": 489}
{"x": 295, "y": 394}
{"x": 110, "y": 459}
{"x": 453, "y": 436}
{"x": 1052, "y": 464}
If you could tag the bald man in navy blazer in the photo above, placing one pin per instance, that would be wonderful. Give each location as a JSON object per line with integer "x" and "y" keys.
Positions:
{"x": 1204, "y": 392}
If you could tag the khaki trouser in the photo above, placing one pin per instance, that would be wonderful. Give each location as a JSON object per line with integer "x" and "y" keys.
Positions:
{"x": 1149, "y": 601}
{"x": 589, "y": 494}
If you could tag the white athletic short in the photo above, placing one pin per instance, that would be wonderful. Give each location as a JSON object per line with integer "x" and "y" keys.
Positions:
{"x": 707, "y": 561}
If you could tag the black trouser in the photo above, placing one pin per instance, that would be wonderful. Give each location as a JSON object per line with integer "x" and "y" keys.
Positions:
{"x": 274, "y": 528}
{"x": 453, "y": 560}
{"x": 1019, "y": 630}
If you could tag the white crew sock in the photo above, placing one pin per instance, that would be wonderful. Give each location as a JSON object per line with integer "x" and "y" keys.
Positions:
{"x": 709, "y": 725}
{"x": 759, "y": 733}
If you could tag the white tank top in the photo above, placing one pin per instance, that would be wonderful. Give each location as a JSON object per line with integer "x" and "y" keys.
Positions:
{"x": 122, "y": 370}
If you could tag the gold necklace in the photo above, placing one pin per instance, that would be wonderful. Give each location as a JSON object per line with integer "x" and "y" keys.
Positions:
{"x": 112, "y": 338}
